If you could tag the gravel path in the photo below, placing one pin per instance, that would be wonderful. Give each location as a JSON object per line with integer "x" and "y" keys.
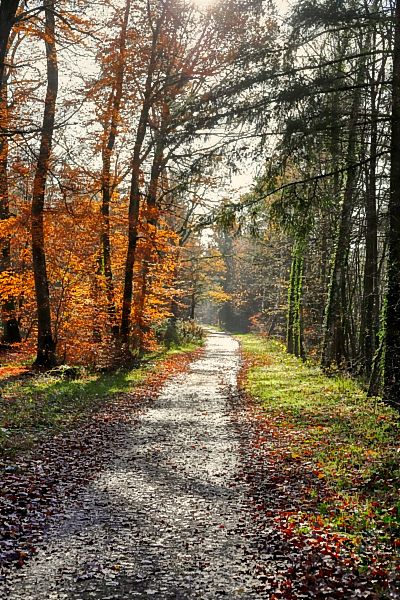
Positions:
{"x": 167, "y": 517}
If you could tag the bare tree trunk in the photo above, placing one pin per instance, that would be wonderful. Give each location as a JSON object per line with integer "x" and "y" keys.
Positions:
{"x": 141, "y": 327}
{"x": 45, "y": 342}
{"x": 151, "y": 225}
{"x": 391, "y": 393}
{"x": 192, "y": 306}
{"x": 106, "y": 186}
{"x": 133, "y": 223}
{"x": 134, "y": 198}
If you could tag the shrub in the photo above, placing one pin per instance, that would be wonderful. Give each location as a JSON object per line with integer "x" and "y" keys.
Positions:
{"x": 176, "y": 332}
{"x": 189, "y": 332}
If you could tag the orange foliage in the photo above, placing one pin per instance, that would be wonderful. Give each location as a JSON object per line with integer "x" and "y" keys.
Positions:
{"x": 81, "y": 324}
{"x": 115, "y": 124}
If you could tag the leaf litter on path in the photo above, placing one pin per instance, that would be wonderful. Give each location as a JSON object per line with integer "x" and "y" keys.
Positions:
{"x": 164, "y": 516}
{"x": 33, "y": 485}
{"x": 182, "y": 497}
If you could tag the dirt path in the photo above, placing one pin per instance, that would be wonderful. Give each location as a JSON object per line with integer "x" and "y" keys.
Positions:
{"x": 167, "y": 517}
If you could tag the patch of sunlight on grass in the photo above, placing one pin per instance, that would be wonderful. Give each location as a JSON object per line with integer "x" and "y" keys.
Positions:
{"x": 44, "y": 403}
{"x": 353, "y": 440}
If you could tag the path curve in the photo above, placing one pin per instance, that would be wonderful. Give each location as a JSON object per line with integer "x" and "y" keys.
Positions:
{"x": 167, "y": 517}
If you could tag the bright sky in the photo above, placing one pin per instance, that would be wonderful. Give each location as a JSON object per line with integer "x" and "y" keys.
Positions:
{"x": 282, "y": 5}
{"x": 203, "y": 3}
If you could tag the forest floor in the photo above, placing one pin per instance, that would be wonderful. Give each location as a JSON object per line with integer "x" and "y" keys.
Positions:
{"x": 36, "y": 406}
{"x": 325, "y": 468}
{"x": 187, "y": 487}
{"x": 165, "y": 515}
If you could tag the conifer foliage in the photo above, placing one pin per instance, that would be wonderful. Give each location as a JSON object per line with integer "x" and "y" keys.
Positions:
{"x": 330, "y": 185}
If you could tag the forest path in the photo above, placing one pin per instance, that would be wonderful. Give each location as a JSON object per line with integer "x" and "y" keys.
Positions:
{"x": 167, "y": 517}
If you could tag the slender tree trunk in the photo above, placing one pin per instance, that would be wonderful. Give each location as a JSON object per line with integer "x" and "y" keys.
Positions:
{"x": 375, "y": 380}
{"x": 192, "y": 306}
{"x": 370, "y": 308}
{"x": 174, "y": 299}
{"x": 334, "y": 344}
{"x": 370, "y": 283}
{"x": 391, "y": 393}
{"x": 8, "y": 10}
{"x": 45, "y": 342}
{"x": 295, "y": 322}
{"x": 142, "y": 328}
{"x": 227, "y": 316}
{"x": 291, "y": 302}
{"x": 298, "y": 310}
{"x": 106, "y": 265}
{"x": 133, "y": 223}
{"x": 134, "y": 199}
{"x": 151, "y": 221}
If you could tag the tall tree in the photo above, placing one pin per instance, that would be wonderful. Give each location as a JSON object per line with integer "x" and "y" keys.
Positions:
{"x": 135, "y": 184}
{"x": 8, "y": 11}
{"x": 45, "y": 341}
{"x": 370, "y": 309}
{"x": 182, "y": 70}
{"x": 335, "y": 335}
{"x": 107, "y": 185}
{"x": 392, "y": 350}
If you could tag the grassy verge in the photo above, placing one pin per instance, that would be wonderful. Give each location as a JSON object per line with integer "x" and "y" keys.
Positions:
{"x": 33, "y": 406}
{"x": 350, "y": 444}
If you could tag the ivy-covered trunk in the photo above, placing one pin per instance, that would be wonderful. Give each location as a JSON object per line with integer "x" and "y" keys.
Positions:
{"x": 295, "y": 321}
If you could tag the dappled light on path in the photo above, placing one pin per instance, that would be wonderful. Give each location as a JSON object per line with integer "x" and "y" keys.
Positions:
{"x": 166, "y": 518}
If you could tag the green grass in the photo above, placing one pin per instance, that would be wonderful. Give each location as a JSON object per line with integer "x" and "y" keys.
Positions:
{"x": 353, "y": 441}
{"x": 43, "y": 405}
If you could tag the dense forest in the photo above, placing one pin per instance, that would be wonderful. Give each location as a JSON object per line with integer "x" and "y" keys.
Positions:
{"x": 315, "y": 253}
{"x": 121, "y": 124}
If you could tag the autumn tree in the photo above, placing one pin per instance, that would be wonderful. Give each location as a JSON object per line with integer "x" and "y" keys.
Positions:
{"x": 46, "y": 346}
{"x": 177, "y": 75}
{"x": 11, "y": 332}
{"x": 112, "y": 119}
